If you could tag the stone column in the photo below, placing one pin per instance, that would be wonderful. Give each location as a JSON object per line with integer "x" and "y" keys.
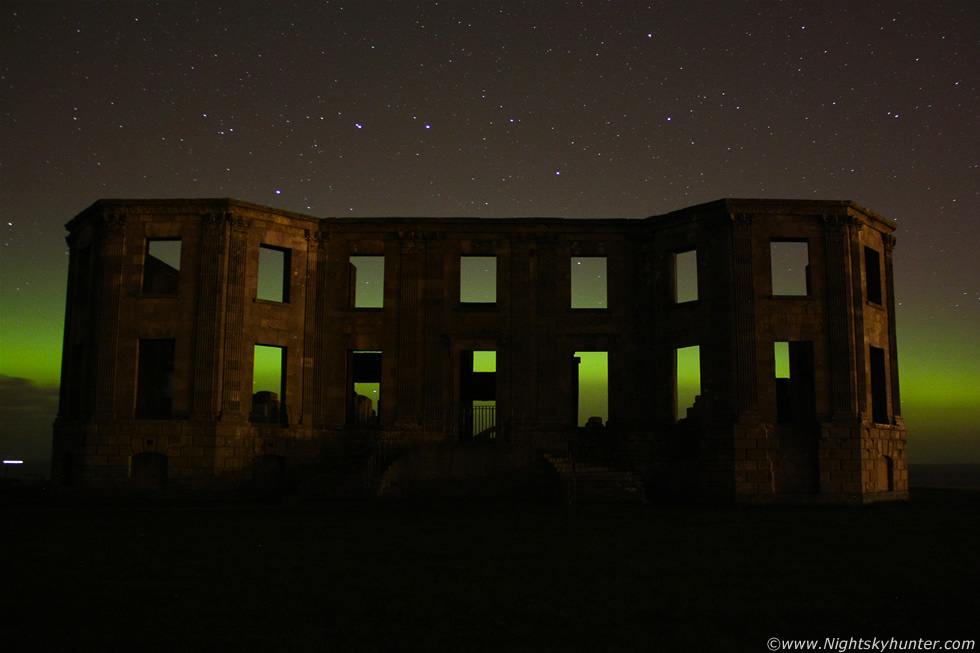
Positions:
{"x": 111, "y": 235}
{"x": 837, "y": 234}
{"x": 313, "y": 387}
{"x": 436, "y": 370}
{"x": 746, "y": 351}
{"x": 206, "y": 382}
{"x": 410, "y": 331}
{"x": 235, "y": 321}
{"x": 889, "y": 245}
{"x": 522, "y": 385}
{"x": 553, "y": 405}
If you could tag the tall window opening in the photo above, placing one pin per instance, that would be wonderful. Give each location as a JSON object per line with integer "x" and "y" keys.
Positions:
{"x": 686, "y": 276}
{"x": 790, "y": 262}
{"x": 478, "y": 279}
{"x": 155, "y": 379}
{"x": 268, "y": 384}
{"x": 879, "y": 386}
{"x": 364, "y": 389}
{"x": 687, "y": 382}
{"x": 588, "y": 277}
{"x": 367, "y": 281}
{"x": 274, "y": 273}
{"x": 592, "y": 387}
{"x": 872, "y": 274}
{"x": 478, "y": 395}
{"x": 795, "y": 381}
{"x": 161, "y": 266}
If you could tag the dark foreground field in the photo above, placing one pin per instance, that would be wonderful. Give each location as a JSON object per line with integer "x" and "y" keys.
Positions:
{"x": 484, "y": 576}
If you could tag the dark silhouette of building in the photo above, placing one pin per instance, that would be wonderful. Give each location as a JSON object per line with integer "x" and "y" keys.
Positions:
{"x": 216, "y": 345}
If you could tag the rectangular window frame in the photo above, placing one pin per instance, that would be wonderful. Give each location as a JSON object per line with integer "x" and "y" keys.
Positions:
{"x": 477, "y": 394}
{"x": 155, "y": 378}
{"x": 587, "y": 292}
{"x": 686, "y": 289}
{"x": 597, "y": 405}
{"x": 264, "y": 408}
{"x": 160, "y": 277}
{"x": 799, "y": 285}
{"x": 872, "y": 276}
{"x": 469, "y": 274}
{"x": 267, "y": 289}
{"x": 683, "y": 356}
{"x": 794, "y": 380}
{"x": 362, "y": 297}
{"x": 363, "y": 372}
{"x": 878, "y": 382}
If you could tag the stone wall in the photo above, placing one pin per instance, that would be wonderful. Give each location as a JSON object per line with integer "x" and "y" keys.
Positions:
{"x": 159, "y": 381}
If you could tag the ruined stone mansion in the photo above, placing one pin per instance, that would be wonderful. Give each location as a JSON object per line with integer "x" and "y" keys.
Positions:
{"x": 739, "y": 350}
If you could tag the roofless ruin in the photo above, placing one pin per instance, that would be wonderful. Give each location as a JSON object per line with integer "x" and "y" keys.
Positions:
{"x": 740, "y": 350}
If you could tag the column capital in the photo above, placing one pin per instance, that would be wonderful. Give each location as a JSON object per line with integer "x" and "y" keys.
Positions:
{"x": 842, "y": 221}
{"x": 743, "y": 220}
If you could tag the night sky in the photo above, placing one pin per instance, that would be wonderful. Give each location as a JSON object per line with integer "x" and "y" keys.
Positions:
{"x": 499, "y": 108}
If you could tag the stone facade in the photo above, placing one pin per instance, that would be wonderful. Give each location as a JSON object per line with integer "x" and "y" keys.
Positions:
{"x": 170, "y": 302}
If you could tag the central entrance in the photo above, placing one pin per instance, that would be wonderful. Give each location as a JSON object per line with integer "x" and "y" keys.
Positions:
{"x": 477, "y": 418}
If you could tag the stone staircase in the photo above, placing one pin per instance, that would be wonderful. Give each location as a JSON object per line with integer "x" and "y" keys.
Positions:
{"x": 591, "y": 483}
{"x": 344, "y": 473}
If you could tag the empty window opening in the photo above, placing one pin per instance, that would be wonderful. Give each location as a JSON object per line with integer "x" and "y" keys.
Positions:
{"x": 790, "y": 262}
{"x": 478, "y": 395}
{"x": 795, "y": 384}
{"x": 155, "y": 379}
{"x": 592, "y": 387}
{"x": 478, "y": 279}
{"x": 872, "y": 273}
{"x": 781, "y": 352}
{"x": 687, "y": 382}
{"x": 879, "y": 386}
{"x": 364, "y": 390}
{"x": 367, "y": 281}
{"x": 161, "y": 266}
{"x": 686, "y": 276}
{"x": 268, "y": 384}
{"x": 273, "y": 274}
{"x": 588, "y": 278}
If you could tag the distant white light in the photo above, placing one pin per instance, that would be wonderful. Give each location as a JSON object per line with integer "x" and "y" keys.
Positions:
{"x": 278, "y": 192}
{"x": 358, "y": 125}
{"x": 13, "y": 462}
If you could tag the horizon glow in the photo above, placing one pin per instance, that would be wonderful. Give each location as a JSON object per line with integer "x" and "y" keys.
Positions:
{"x": 938, "y": 361}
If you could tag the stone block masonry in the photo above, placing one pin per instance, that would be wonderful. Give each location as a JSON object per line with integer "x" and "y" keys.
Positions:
{"x": 219, "y": 346}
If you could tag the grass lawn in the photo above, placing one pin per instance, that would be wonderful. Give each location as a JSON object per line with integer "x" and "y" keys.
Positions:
{"x": 483, "y": 576}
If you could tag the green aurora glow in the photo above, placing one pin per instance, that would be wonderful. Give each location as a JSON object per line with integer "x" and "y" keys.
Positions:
{"x": 939, "y": 363}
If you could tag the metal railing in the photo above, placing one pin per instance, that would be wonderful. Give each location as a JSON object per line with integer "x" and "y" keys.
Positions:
{"x": 473, "y": 423}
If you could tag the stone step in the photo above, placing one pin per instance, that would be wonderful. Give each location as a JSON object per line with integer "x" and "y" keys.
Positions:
{"x": 598, "y": 483}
